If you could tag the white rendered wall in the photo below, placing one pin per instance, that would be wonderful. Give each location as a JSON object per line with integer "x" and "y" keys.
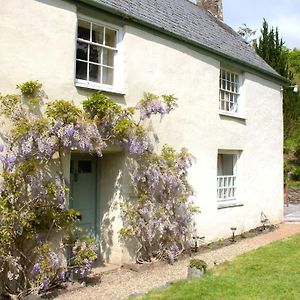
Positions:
{"x": 161, "y": 66}
{"x": 38, "y": 40}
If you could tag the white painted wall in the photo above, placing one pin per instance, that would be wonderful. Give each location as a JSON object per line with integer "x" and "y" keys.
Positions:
{"x": 171, "y": 68}
{"x": 38, "y": 42}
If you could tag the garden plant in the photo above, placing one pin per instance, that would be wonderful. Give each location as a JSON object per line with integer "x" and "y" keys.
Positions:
{"x": 40, "y": 244}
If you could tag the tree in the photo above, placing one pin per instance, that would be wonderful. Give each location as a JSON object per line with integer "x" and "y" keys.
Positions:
{"x": 247, "y": 34}
{"x": 273, "y": 50}
{"x": 294, "y": 64}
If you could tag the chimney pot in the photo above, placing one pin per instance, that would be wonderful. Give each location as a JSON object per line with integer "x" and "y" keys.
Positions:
{"x": 213, "y": 6}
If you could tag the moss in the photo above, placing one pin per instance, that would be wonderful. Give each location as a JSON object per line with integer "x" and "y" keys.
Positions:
{"x": 198, "y": 264}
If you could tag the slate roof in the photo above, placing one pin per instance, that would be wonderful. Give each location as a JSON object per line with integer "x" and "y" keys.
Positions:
{"x": 186, "y": 21}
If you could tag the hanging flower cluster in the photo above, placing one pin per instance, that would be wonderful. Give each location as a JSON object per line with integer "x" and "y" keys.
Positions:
{"x": 159, "y": 216}
{"x": 34, "y": 193}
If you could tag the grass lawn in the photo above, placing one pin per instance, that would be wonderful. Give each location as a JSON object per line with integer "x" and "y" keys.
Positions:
{"x": 270, "y": 272}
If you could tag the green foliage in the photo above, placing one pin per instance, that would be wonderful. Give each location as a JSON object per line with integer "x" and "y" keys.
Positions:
{"x": 64, "y": 111}
{"x": 271, "y": 48}
{"x": 170, "y": 101}
{"x": 9, "y": 104}
{"x": 100, "y": 106}
{"x": 123, "y": 127}
{"x": 243, "y": 235}
{"x": 29, "y": 88}
{"x": 198, "y": 264}
{"x": 294, "y": 63}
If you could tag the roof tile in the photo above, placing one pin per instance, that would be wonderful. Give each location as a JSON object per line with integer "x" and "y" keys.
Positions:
{"x": 186, "y": 20}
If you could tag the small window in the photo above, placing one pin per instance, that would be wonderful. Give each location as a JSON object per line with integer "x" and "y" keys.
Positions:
{"x": 226, "y": 178}
{"x": 97, "y": 47}
{"x": 229, "y": 92}
{"x": 84, "y": 166}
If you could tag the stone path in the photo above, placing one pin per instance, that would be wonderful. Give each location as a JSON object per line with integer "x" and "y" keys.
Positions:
{"x": 121, "y": 283}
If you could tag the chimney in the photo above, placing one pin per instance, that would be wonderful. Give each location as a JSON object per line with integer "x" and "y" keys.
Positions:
{"x": 213, "y": 6}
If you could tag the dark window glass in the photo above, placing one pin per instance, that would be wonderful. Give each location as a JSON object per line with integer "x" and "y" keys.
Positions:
{"x": 81, "y": 70}
{"x": 83, "y": 30}
{"x": 84, "y": 166}
{"x": 95, "y": 54}
{"x": 94, "y": 73}
{"x": 82, "y": 50}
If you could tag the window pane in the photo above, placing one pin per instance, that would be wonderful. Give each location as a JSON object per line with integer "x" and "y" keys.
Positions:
{"x": 232, "y": 87}
{"x": 81, "y": 70}
{"x": 222, "y": 95}
{"x": 224, "y": 85}
{"x": 228, "y": 86}
{"x": 97, "y": 34}
{"x": 94, "y": 73}
{"x": 222, "y": 74}
{"x": 110, "y": 37}
{"x": 82, "y": 50}
{"x": 108, "y": 57}
{"x": 232, "y": 77}
{"x": 108, "y": 75}
{"x": 95, "y": 54}
{"x": 83, "y": 30}
{"x": 84, "y": 166}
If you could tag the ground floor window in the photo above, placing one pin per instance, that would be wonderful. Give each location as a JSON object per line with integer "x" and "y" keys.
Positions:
{"x": 227, "y": 178}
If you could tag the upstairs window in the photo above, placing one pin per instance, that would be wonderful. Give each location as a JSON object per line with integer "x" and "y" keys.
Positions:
{"x": 97, "y": 48}
{"x": 229, "y": 92}
{"x": 227, "y": 178}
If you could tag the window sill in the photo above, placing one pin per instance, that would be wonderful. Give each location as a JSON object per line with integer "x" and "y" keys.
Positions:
{"x": 231, "y": 205}
{"x": 98, "y": 87}
{"x": 232, "y": 115}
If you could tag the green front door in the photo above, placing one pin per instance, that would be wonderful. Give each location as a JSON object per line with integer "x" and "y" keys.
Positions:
{"x": 83, "y": 175}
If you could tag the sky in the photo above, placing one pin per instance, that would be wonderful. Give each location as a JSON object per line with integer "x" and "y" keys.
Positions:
{"x": 284, "y": 14}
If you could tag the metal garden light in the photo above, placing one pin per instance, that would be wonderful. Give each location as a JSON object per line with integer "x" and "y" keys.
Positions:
{"x": 263, "y": 220}
{"x": 197, "y": 240}
{"x": 233, "y": 229}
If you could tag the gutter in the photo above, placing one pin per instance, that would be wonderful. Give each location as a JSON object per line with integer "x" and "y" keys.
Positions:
{"x": 278, "y": 78}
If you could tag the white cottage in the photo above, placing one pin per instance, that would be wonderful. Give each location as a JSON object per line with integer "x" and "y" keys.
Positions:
{"x": 230, "y": 101}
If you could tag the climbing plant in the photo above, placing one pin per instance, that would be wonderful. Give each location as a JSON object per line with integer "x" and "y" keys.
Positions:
{"x": 159, "y": 215}
{"x": 40, "y": 244}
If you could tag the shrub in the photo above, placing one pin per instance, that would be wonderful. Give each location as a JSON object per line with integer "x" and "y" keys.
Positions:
{"x": 198, "y": 264}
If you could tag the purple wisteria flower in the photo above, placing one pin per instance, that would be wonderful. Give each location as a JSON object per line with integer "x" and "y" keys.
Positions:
{"x": 9, "y": 161}
{"x": 36, "y": 269}
{"x": 151, "y": 107}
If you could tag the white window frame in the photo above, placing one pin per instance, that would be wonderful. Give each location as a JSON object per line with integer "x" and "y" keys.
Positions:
{"x": 228, "y": 186}
{"x": 230, "y": 104}
{"x": 118, "y": 81}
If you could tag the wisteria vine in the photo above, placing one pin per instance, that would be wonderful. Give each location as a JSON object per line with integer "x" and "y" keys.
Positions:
{"x": 34, "y": 192}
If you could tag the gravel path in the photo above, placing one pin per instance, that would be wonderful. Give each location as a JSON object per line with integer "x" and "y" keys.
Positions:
{"x": 121, "y": 283}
